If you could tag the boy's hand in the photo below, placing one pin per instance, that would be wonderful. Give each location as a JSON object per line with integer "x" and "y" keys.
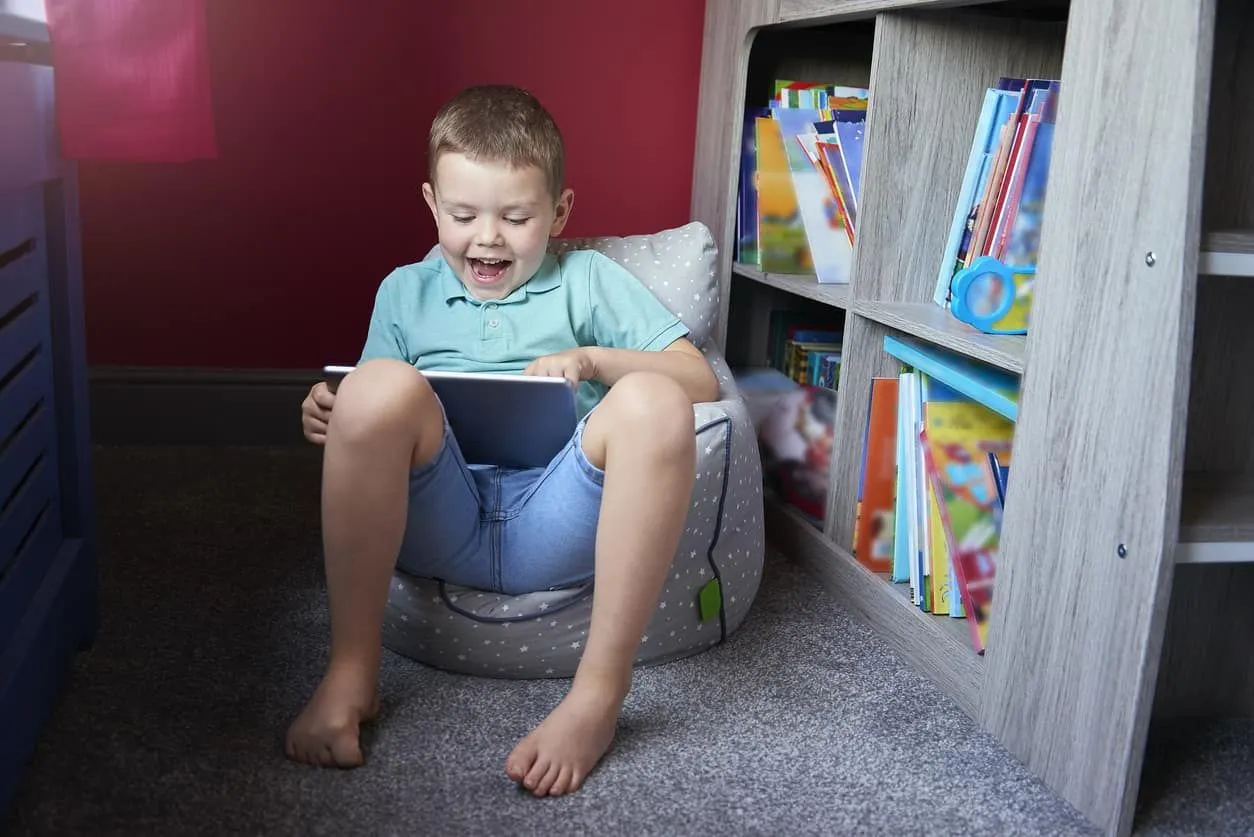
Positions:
{"x": 574, "y": 365}
{"x": 315, "y": 412}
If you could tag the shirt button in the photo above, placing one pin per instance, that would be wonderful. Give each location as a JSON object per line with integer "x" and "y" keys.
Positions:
{"x": 493, "y": 323}
{"x": 491, "y": 306}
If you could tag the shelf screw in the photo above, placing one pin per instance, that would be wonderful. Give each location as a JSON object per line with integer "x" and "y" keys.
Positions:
{"x": 1150, "y": 258}
{"x": 1122, "y": 551}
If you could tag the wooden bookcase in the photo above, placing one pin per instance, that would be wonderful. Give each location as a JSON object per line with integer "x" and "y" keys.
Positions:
{"x": 1126, "y": 565}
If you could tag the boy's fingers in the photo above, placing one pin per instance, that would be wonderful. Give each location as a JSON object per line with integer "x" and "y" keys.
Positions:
{"x": 323, "y": 397}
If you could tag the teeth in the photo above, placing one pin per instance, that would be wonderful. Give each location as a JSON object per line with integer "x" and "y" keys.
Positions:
{"x": 490, "y": 261}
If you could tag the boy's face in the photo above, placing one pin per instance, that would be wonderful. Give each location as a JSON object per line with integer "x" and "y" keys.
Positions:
{"x": 494, "y": 221}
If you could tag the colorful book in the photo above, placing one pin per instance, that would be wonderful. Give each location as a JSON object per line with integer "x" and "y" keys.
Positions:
{"x": 782, "y": 246}
{"x": 830, "y": 252}
{"x": 874, "y": 533}
{"x": 996, "y": 389}
{"x": 959, "y": 437}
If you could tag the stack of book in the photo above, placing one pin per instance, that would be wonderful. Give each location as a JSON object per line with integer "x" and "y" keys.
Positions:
{"x": 1001, "y": 201}
{"x": 936, "y": 458}
{"x": 801, "y": 165}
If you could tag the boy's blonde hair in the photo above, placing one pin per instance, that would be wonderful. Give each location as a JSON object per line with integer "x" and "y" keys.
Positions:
{"x": 501, "y": 124}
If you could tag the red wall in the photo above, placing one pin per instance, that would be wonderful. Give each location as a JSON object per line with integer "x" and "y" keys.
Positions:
{"x": 269, "y": 256}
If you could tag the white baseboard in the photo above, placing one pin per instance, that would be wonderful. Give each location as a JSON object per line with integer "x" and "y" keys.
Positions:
{"x": 147, "y": 405}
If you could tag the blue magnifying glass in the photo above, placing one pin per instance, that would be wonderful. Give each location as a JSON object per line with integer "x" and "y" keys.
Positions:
{"x": 993, "y": 296}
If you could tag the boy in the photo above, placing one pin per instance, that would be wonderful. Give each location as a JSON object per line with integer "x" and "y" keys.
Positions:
{"x": 396, "y": 492}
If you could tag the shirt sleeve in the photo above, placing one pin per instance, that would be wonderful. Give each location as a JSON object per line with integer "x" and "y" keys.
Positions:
{"x": 385, "y": 338}
{"x": 623, "y": 313}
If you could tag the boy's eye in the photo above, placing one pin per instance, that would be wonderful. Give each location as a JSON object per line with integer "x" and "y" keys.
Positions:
{"x": 517, "y": 222}
{"x": 463, "y": 219}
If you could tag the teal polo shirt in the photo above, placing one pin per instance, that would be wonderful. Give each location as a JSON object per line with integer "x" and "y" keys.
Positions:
{"x": 424, "y": 316}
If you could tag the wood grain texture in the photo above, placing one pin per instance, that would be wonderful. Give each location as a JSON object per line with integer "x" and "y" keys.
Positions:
{"x": 1076, "y": 630}
{"x": 1205, "y": 668}
{"x": 937, "y": 646}
{"x": 720, "y": 116}
{"x": 822, "y": 10}
{"x": 1230, "y": 241}
{"x": 862, "y": 359}
{"x": 1221, "y": 391}
{"x": 927, "y": 87}
{"x": 836, "y": 296}
{"x": 936, "y": 325}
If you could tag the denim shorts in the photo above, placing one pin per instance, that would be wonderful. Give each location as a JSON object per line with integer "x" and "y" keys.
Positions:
{"x": 504, "y": 530}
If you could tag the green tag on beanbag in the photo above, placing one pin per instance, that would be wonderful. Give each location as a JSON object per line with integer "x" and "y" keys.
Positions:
{"x": 710, "y": 600}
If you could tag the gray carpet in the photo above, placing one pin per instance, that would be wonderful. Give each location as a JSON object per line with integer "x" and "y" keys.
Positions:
{"x": 804, "y": 723}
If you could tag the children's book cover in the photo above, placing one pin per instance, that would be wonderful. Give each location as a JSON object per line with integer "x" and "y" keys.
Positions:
{"x": 874, "y": 534}
{"x": 782, "y": 245}
{"x": 833, "y": 206}
{"x": 828, "y": 150}
{"x": 1023, "y": 247}
{"x": 825, "y": 234}
{"x": 960, "y": 435}
{"x": 998, "y": 106}
{"x": 850, "y": 126}
{"x": 747, "y": 194}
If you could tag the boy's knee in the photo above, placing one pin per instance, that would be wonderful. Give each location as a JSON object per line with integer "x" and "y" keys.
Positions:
{"x": 655, "y": 404}
{"x": 382, "y": 396}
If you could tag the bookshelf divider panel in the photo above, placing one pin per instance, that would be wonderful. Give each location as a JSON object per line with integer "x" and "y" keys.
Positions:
{"x": 1093, "y": 507}
{"x": 720, "y": 109}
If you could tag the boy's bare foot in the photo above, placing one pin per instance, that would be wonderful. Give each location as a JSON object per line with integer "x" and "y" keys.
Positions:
{"x": 560, "y": 753}
{"x": 328, "y": 730}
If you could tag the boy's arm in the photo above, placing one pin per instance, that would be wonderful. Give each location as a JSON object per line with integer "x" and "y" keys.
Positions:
{"x": 681, "y": 361}
{"x": 384, "y": 337}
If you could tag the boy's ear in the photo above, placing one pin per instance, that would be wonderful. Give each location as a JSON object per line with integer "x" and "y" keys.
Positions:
{"x": 565, "y": 202}
{"x": 428, "y": 193}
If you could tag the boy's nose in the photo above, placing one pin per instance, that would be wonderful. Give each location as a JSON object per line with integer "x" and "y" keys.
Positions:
{"x": 489, "y": 234}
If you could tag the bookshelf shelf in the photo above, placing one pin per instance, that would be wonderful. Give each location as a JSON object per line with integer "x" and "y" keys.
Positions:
{"x": 940, "y": 646}
{"x": 932, "y": 323}
{"x": 1227, "y": 253}
{"x": 1217, "y": 519}
{"x": 802, "y": 285}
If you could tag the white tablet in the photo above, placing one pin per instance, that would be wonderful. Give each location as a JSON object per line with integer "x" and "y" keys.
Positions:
{"x": 510, "y": 420}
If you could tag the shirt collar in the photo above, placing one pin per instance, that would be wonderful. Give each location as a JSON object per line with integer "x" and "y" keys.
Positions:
{"x": 548, "y": 277}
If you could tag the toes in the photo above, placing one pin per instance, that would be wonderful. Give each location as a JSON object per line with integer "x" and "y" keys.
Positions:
{"x": 562, "y": 785}
{"x": 536, "y": 774}
{"x": 576, "y": 780}
{"x": 546, "y": 784}
{"x": 521, "y": 761}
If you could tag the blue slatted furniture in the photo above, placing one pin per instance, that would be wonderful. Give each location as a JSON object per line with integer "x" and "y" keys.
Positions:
{"x": 48, "y": 598}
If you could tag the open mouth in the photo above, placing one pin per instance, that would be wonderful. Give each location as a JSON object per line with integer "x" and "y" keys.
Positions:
{"x": 488, "y": 271}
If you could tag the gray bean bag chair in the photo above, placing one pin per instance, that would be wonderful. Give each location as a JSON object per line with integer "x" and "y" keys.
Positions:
{"x": 716, "y": 570}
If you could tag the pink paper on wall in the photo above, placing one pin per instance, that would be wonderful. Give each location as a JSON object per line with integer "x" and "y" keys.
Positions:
{"x": 132, "y": 80}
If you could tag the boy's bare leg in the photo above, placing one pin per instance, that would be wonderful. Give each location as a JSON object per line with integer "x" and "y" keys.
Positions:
{"x": 642, "y": 436}
{"x": 385, "y": 420}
